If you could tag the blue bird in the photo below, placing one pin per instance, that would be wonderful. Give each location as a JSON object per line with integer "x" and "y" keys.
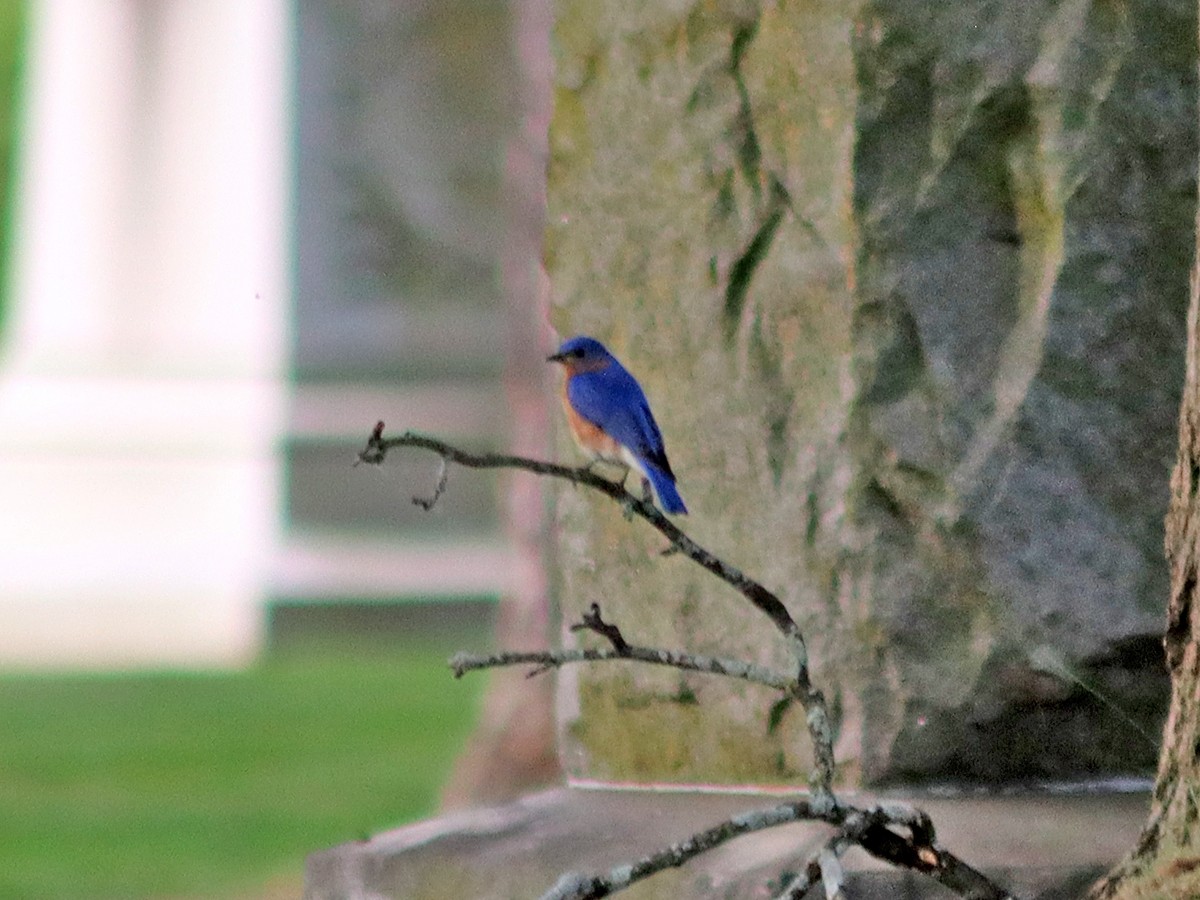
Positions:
{"x": 610, "y": 418}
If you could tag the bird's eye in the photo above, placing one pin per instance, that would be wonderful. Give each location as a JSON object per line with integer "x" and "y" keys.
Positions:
{"x": 577, "y": 353}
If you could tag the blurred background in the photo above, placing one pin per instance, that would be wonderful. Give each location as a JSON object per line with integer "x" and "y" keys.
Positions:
{"x": 238, "y": 234}
{"x": 241, "y": 232}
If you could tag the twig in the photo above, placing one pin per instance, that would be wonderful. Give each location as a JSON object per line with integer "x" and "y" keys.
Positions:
{"x": 544, "y": 660}
{"x": 800, "y": 884}
{"x": 855, "y": 826}
{"x": 872, "y": 829}
{"x": 932, "y": 860}
{"x": 428, "y": 503}
{"x": 378, "y": 446}
{"x": 833, "y": 878}
{"x": 574, "y": 886}
{"x": 816, "y": 711}
{"x": 825, "y": 865}
{"x": 592, "y": 621}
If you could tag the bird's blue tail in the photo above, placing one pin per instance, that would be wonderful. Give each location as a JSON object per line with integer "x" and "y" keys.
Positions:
{"x": 664, "y": 489}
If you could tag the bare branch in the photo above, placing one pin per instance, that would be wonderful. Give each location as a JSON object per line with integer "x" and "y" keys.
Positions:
{"x": 869, "y": 829}
{"x": 543, "y": 660}
{"x": 825, "y": 864}
{"x": 856, "y": 828}
{"x": 378, "y": 447}
{"x": 800, "y": 884}
{"x": 917, "y": 821}
{"x": 872, "y": 829}
{"x": 932, "y": 860}
{"x": 370, "y": 454}
{"x": 592, "y": 621}
{"x": 574, "y": 886}
{"x": 813, "y": 872}
{"x": 816, "y": 711}
{"x": 832, "y": 876}
{"x": 428, "y": 503}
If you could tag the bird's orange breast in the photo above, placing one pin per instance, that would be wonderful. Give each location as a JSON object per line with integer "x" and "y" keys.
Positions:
{"x": 590, "y": 437}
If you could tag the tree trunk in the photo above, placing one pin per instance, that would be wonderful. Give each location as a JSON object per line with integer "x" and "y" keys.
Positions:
{"x": 1166, "y": 861}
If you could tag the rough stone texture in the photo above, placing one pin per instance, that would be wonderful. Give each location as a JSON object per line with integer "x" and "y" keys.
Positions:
{"x": 1038, "y": 847}
{"x": 709, "y": 240}
{"x": 1025, "y": 187}
{"x": 905, "y": 283}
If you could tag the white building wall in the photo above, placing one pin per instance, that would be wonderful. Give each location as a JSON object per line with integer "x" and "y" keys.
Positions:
{"x": 142, "y": 370}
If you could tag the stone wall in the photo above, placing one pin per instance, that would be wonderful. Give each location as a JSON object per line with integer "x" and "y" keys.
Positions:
{"x": 906, "y": 286}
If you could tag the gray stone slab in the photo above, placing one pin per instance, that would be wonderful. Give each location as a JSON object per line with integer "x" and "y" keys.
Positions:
{"x": 908, "y": 298}
{"x": 1038, "y": 845}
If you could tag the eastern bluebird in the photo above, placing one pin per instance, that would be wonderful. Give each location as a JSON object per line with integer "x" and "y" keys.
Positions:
{"x": 610, "y": 418}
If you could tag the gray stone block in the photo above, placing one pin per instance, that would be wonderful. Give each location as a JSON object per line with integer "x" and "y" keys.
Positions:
{"x": 1038, "y": 846}
{"x": 906, "y": 286}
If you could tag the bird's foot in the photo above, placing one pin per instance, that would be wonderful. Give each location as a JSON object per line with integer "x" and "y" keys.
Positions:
{"x": 647, "y": 493}
{"x": 627, "y": 507}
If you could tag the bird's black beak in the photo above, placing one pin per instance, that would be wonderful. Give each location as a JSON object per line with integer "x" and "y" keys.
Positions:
{"x": 556, "y": 357}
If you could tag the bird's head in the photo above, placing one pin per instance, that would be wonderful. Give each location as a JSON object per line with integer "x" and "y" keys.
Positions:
{"x": 581, "y": 354}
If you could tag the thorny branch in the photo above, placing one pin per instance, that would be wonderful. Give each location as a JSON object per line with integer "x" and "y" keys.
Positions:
{"x": 874, "y": 829}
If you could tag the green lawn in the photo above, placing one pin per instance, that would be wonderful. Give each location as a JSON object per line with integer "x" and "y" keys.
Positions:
{"x": 210, "y": 785}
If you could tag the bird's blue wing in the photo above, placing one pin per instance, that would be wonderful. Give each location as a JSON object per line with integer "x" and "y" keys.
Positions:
{"x": 612, "y": 399}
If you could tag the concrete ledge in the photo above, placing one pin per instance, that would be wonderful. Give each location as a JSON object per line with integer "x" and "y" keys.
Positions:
{"x": 1039, "y": 846}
